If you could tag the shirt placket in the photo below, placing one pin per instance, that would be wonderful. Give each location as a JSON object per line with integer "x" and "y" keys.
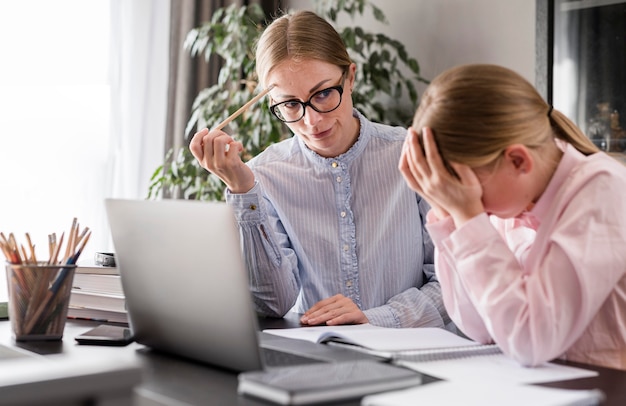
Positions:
{"x": 347, "y": 231}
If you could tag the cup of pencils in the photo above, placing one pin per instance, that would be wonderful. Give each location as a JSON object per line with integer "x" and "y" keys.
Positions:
{"x": 39, "y": 291}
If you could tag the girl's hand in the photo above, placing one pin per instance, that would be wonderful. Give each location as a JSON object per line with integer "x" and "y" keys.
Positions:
{"x": 334, "y": 311}
{"x": 425, "y": 172}
{"x": 219, "y": 153}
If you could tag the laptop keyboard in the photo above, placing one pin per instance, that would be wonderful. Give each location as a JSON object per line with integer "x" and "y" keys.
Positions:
{"x": 276, "y": 358}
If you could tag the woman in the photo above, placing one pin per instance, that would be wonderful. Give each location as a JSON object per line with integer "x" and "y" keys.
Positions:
{"x": 327, "y": 223}
{"x": 528, "y": 219}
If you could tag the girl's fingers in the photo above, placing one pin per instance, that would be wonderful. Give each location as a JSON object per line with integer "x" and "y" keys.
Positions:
{"x": 407, "y": 167}
{"x": 417, "y": 162}
{"x": 432, "y": 152}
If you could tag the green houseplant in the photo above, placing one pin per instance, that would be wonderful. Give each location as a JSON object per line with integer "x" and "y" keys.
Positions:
{"x": 231, "y": 34}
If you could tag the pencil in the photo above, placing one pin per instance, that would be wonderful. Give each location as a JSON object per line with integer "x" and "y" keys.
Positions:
{"x": 31, "y": 247}
{"x": 242, "y": 109}
{"x": 69, "y": 248}
{"x": 56, "y": 285}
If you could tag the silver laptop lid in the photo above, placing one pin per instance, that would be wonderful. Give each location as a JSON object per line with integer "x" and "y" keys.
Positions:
{"x": 184, "y": 279}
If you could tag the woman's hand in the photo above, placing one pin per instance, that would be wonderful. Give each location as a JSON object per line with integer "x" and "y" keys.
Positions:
{"x": 219, "y": 153}
{"x": 426, "y": 173}
{"x": 334, "y": 311}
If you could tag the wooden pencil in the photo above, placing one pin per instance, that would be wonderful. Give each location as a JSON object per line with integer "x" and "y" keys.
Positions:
{"x": 242, "y": 109}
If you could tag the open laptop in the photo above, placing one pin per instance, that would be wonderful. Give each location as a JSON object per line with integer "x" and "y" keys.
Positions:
{"x": 186, "y": 285}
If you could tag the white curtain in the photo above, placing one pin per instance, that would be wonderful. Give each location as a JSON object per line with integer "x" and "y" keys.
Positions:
{"x": 139, "y": 82}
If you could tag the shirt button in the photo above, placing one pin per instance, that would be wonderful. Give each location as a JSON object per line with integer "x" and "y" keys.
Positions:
{"x": 346, "y": 247}
{"x": 349, "y": 283}
{"x": 334, "y": 164}
{"x": 338, "y": 179}
{"x": 343, "y": 214}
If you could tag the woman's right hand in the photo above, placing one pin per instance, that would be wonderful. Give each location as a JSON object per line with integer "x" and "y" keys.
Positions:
{"x": 219, "y": 153}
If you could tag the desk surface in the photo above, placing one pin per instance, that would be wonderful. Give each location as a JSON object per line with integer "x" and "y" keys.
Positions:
{"x": 169, "y": 380}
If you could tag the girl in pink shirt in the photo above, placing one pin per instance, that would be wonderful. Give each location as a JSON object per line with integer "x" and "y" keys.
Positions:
{"x": 528, "y": 219}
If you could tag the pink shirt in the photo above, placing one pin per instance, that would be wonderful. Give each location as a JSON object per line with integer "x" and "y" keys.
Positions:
{"x": 562, "y": 295}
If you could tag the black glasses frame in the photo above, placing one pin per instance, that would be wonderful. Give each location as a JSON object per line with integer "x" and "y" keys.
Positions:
{"x": 274, "y": 107}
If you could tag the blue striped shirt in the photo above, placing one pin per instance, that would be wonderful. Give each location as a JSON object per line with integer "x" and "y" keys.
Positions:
{"x": 313, "y": 227}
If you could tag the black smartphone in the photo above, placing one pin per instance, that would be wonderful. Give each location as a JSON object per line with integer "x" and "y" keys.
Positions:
{"x": 106, "y": 334}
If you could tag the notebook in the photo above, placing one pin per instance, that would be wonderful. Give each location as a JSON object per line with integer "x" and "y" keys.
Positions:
{"x": 186, "y": 285}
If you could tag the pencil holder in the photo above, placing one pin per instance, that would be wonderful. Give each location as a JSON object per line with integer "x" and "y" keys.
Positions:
{"x": 39, "y": 296}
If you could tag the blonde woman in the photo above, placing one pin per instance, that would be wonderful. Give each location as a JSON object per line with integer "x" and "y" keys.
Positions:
{"x": 528, "y": 219}
{"x": 328, "y": 226}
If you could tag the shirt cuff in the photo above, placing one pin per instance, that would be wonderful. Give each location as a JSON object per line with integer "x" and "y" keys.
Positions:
{"x": 382, "y": 316}
{"x": 439, "y": 228}
{"x": 462, "y": 241}
{"x": 247, "y": 206}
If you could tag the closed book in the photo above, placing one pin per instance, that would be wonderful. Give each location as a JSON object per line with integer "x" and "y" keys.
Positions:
{"x": 325, "y": 382}
{"x": 96, "y": 269}
{"x": 97, "y": 315}
{"x": 98, "y": 283}
{"x": 90, "y": 300}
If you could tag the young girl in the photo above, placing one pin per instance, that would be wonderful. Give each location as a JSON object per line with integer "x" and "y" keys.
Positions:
{"x": 527, "y": 216}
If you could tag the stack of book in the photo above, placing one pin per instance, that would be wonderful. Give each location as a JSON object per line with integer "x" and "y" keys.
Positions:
{"x": 97, "y": 294}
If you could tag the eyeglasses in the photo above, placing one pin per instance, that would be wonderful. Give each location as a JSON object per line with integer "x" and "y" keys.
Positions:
{"x": 324, "y": 101}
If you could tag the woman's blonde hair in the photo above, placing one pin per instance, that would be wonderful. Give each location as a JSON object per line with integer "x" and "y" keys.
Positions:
{"x": 476, "y": 111}
{"x": 301, "y": 35}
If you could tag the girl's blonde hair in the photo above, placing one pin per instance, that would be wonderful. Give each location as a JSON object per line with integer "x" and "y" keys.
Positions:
{"x": 301, "y": 35}
{"x": 476, "y": 111}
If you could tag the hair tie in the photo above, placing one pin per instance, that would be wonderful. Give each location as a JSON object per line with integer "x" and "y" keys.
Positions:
{"x": 550, "y": 110}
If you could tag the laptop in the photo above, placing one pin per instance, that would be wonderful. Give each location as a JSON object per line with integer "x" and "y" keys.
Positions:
{"x": 186, "y": 286}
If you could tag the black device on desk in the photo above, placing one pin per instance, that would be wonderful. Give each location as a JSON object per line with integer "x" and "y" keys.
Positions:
{"x": 106, "y": 335}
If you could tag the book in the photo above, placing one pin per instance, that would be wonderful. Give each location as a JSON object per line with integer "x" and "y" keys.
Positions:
{"x": 100, "y": 301}
{"x": 98, "y": 283}
{"x": 84, "y": 313}
{"x": 96, "y": 269}
{"x": 325, "y": 382}
{"x": 476, "y": 393}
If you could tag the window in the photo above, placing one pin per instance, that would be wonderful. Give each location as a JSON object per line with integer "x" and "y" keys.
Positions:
{"x": 71, "y": 133}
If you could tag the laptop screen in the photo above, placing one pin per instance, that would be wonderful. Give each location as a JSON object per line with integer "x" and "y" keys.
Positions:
{"x": 184, "y": 280}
